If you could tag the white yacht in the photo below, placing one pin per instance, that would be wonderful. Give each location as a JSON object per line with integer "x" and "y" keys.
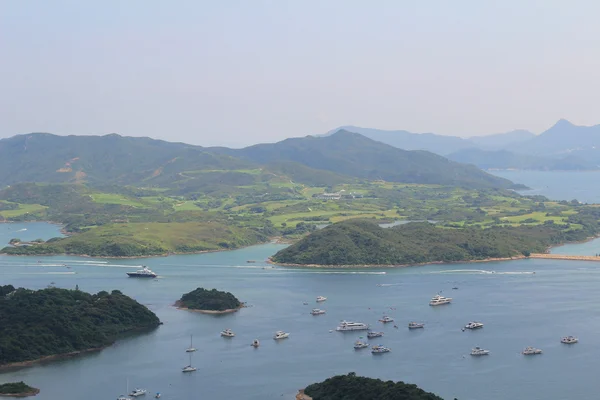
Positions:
{"x": 317, "y": 311}
{"x": 386, "y": 319}
{"x": 415, "y": 325}
{"x": 255, "y": 343}
{"x": 145, "y": 272}
{"x": 321, "y": 299}
{"x": 137, "y": 392}
{"x": 351, "y": 326}
{"x": 280, "y": 335}
{"x": 359, "y": 344}
{"x": 227, "y": 333}
{"x": 474, "y": 325}
{"x": 439, "y": 300}
{"x": 569, "y": 340}
{"x": 528, "y": 351}
{"x": 189, "y": 368}
{"x": 478, "y": 351}
{"x": 190, "y": 349}
{"x": 372, "y": 334}
{"x": 379, "y": 349}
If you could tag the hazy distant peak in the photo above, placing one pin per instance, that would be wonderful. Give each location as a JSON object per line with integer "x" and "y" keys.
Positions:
{"x": 562, "y": 124}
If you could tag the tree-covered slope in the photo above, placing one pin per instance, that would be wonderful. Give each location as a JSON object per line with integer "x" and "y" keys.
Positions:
{"x": 352, "y": 154}
{"x": 35, "y": 324}
{"x": 209, "y": 300}
{"x": 352, "y": 387}
{"x": 362, "y": 242}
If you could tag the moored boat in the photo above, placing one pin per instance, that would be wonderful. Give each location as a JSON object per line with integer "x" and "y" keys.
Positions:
{"x": 137, "y": 392}
{"x": 321, "y": 299}
{"x": 145, "y": 272}
{"x": 386, "y": 319}
{"x": 227, "y": 333}
{"x": 478, "y": 351}
{"x": 529, "y": 351}
{"x": 351, "y": 326}
{"x": 255, "y": 343}
{"x": 359, "y": 344}
{"x": 569, "y": 340}
{"x": 474, "y": 325}
{"x": 372, "y": 334}
{"x": 379, "y": 349}
{"x": 415, "y": 325}
{"x": 281, "y": 335}
{"x": 439, "y": 300}
{"x": 317, "y": 311}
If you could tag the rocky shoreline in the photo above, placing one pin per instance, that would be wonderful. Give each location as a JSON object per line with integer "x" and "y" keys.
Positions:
{"x": 54, "y": 357}
{"x": 179, "y": 306}
{"x": 24, "y": 394}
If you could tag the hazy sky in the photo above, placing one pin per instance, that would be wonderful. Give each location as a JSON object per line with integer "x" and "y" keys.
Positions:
{"x": 223, "y": 72}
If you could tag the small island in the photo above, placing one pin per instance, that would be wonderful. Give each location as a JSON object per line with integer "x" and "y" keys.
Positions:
{"x": 17, "y": 389}
{"x": 41, "y": 325}
{"x": 209, "y": 301}
{"x": 352, "y": 387}
{"x": 364, "y": 243}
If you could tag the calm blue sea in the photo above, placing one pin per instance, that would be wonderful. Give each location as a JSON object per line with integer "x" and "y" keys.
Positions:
{"x": 522, "y": 303}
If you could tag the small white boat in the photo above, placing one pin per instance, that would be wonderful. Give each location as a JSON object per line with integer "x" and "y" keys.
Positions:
{"x": 317, "y": 311}
{"x": 138, "y": 392}
{"x": 372, "y": 334}
{"x": 123, "y": 397}
{"x": 190, "y": 349}
{"x": 321, "y": 299}
{"x": 386, "y": 319}
{"x": 281, "y": 335}
{"x": 478, "y": 351}
{"x": 474, "y": 325}
{"x": 359, "y": 344}
{"x": 415, "y": 325}
{"x": 439, "y": 300}
{"x": 255, "y": 343}
{"x": 227, "y": 333}
{"x": 569, "y": 340}
{"x": 379, "y": 349}
{"x": 529, "y": 351}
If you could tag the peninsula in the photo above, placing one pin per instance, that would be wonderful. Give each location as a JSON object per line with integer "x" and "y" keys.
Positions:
{"x": 17, "y": 389}
{"x": 53, "y": 323}
{"x": 209, "y": 301}
{"x": 352, "y": 387}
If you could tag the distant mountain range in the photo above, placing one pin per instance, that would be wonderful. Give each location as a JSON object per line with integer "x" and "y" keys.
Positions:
{"x": 562, "y": 147}
{"x": 112, "y": 159}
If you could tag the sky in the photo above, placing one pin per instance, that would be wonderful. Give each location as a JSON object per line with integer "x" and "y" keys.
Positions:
{"x": 236, "y": 73}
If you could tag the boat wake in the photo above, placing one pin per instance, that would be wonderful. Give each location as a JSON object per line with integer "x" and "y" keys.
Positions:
{"x": 388, "y": 284}
{"x": 482, "y": 272}
{"x": 47, "y": 273}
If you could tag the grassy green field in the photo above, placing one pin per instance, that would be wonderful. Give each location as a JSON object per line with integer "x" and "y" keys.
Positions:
{"x": 22, "y": 210}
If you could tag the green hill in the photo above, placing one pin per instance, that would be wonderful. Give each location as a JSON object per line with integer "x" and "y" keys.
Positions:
{"x": 362, "y": 242}
{"x": 209, "y": 300}
{"x": 352, "y": 154}
{"x": 49, "y": 322}
{"x": 352, "y": 387}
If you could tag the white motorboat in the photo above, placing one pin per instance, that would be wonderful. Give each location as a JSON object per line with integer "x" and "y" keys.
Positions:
{"x": 191, "y": 348}
{"x": 529, "y": 351}
{"x": 474, "y": 325}
{"x": 280, "y": 335}
{"x": 145, "y": 272}
{"x": 123, "y": 397}
{"x": 386, "y": 319}
{"x": 439, "y": 300}
{"x": 478, "y": 351}
{"x": 227, "y": 333}
{"x": 137, "y": 392}
{"x": 379, "y": 349}
{"x": 189, "y": 367}
{"x": 321, "y": 299}
{"x": 415, "y": 325}
{"x": 317, "y": 311}
{"x": 255, "y": 343}
{"x": 569, "y": 340}
{"x": 359, "y": 344}
{"x": 372, "y": 334}
{"x": 351, "y": 326}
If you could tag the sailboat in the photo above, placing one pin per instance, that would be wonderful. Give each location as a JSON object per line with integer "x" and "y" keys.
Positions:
{"x": 189, "y": 368}
{"x": 191, "y": 348}
{"x": 123, "y": 397}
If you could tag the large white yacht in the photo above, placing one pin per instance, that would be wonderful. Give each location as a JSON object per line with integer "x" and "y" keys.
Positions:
{"x": 379, "y": 349}
{"x": 280, "y": 335}
{"x": 321, "y": 299}
{"x": 478, "y": 351}
{"x": 569, "y": 340}
{"x": 529, "y": 351}
{"x": 145, "y": 272}
{"x": 137, "y": 392}
{"x": 438, "y": 300}
{"x": 317, "y": 311}
{"x": 474, "y": 325}
{"x": 227, "y": 333}
{"x": 415, "y": 325}
{"x": 351, "y": 326}
{"x": 386, "y": 319}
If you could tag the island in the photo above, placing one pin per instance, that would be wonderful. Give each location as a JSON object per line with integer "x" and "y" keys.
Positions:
{"x": 352, "y": 387}
{"x": 17, "y": 389}
{"x": 209, "y": 301}
{"x": 365, "y": 243}
{"x": 40, "y": 325}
